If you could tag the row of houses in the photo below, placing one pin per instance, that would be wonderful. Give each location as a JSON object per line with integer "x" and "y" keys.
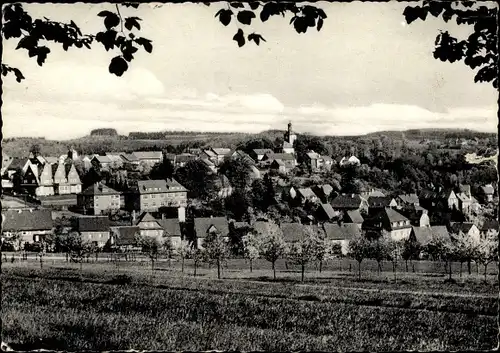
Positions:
{"x": 32, "y": 225}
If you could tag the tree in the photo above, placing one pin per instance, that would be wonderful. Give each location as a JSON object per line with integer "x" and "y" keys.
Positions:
{"x": 487, "y": 252}
{"x": 394, "y": 250}
{"x": 320, "y": 246}
{"x": 465, "y": 249}
{"x": 237, "y": 171}
{"x": 35, "y": 150}
{"x": 216, "y": 250}
{"x": 183, "y": 250}
{"x": 122, "y": 32}
{"x": 163, "y": 170}
{"x": 78, "y": 247}
{"x": 479, "y": 50}
{"x": 150, "y": 247}
{"x": 198, "y": 179}
{"x": 237, "y": 204}
{"x": 335, "y": 250}
{"x": 379, "y": 251}
{"x": 410, "y": 250}
{"x": 359, "y": 249}
{"x": 197, "y": 255}
{"x": 273, "y": 246}
{"x": 167, "y": 249}
{"x": 251, "y": 245}
{"x": 303, "y": 251}
{"x": 440, "y": 250}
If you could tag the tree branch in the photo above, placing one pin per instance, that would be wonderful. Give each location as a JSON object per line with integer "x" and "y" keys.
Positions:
{"x": 121, "y": 19}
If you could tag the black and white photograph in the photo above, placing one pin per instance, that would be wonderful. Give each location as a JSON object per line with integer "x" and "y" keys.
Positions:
{"x": 250, "y": 176}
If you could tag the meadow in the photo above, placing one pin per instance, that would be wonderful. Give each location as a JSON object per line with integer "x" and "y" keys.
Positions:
{"x": 126, "y": 305}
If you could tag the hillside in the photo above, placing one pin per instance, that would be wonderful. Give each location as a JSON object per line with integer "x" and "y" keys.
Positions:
{"x": 20, "y": 147}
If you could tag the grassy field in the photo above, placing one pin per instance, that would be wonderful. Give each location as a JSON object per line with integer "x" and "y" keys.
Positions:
{"x": 105, "y": 306}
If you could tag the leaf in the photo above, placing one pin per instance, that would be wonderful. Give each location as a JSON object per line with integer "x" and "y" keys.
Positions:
{"x": 73, "y": 24}
{"x": 237, "y": 5}
{"x": 225, "y": 16}
{"x": 112, "y": 20}
{"x": 19, "y": 75}
{"x": 131, "y": 4}
{"x": 27, "y": 42}
{"x": 410, "y": 14}
{"x": 104, "y": 13}
{"x": 320, "y": 24}
{"x": 245, "y": 17}
{"x": 146, "y": 43}
{"x": 254, "y": 5}
{"x": 256, "y": 38}
{"x": 42, "y": 55}
{"x": 118, "y": 66}
{"x": 131, "y": 22}
{"x": 300, "y": 25}
{"x": 239, "y": 38}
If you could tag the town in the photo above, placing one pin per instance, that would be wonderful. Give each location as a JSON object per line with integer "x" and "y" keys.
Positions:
{"x": 115, "y": 201}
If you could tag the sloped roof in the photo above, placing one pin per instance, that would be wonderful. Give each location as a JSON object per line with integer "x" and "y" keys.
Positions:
{"x": 171, "y": 226}
{"x": 489, "y": 224}
{"x": 423, "y": 235}
{"x": 327, "y": 189}
{"x": 125, "y": 235}
{"x": 355, "y": 216}
{"x": 114, "y": 157}
{"x": 282, "y": 156}
{"x": 292, "y": 231}
{"x": 103, "y": 159}
{"x": 313, "y": 155}
{"x": 93, "y": 224}
{"x": 159, "y": 185}
{"x": 464, "y": 227}
{"x": 202, "y": 225}
{"x": 347, "y": 201}
{"x": 19, "y": 220}
{"x": 409, "y": 198}
{"x": 16, "y": 163}
{"x": 129, "y": 157}
{"x": 464, "y": 188}
{"x": 262, "y": 151}
{"x": 488, "y": 189}
{"x": 146, "y": 217}
{"x": 51, "y": 160}
{"x": 185, "y": 157}
{"x": 221, "y": 151}
{"x": 346, "y": 231}
{"x": 306, "y": 192}
{"x": 208, "y": 162}
{"x": 328, "y": 210}
{"x": 223, "y": 181}
{"x": 287, "y": 144}
{"x": 440, "y": 232}
{"x": 394, "y": 216}
{"x": 327, "y": 159}
{"x": 278, "y": 162}
{"x": 98, "y": 189}
{"x": 377, "y": 201}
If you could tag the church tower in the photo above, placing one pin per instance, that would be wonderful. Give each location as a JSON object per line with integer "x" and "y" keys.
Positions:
{"x": 289, "y": 139}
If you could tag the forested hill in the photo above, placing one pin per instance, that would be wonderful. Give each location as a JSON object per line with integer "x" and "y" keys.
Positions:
{"x": 175, "y": 142}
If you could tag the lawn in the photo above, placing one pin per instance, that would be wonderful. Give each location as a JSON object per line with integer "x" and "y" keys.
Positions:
{"x": 104, "y": 307}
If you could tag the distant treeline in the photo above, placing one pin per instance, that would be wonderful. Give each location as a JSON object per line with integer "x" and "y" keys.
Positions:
{"x": 164, "y": 134}
{"x": 104, "y": 132}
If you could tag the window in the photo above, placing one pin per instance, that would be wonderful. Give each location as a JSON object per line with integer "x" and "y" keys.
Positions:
{"x": 145, "y": 196}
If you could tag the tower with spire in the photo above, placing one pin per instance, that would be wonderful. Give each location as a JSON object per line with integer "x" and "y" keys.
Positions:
{"x": 289, "y": 139}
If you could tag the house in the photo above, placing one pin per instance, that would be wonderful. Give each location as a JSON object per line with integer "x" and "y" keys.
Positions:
{"x": 354, "y": 217}
{"x": 180, "y": 160}
{"x": 172, "y": 229}
{"x": 327, "y": 163}
{"x": 341, "y": 233}
{"x": 217, "y": 155}
{"x": 467, "y": 228}
{"x": 259, "y": 153}
{"x": 288, "y": 140}
{"x": 6, "y": 161}
{"x": 101, "y": 162}
{"x": 204, "y": 226}
{"x": 389, "y": 220}
{"x": 489, "y": 227}
{"x": 377, "y": 203}
{"x": 367, "y": 192}
{"x": 99, "y": 198}
{"x": 116, "y": 160}
{"x": 130, "y": 161}
{"x": 467, "y": 203}
{"x": 150, "y": 195}
{"x": 407, "y": 200}
{"x": 487, "y": 192}
{"x": 87, "y": 162}
{"x": 286, "y": 160}
{"x": 279, "y": 166}
{"x": 66, "y": 179}
{"x": 326, "y": 212}
{"x": 306, "y": 194}
{"x": 150, "y": 227}
{"x": 149, "y": 158}
{"x": 417, "y": 215}
{"x": 210, "y": 165}
{"x": 423, "y": 235}
{"x": 94, "y": 230}
{"x": 349, "y": 202}
{"x": 255, "y": 173}
{"x": 317, "y": 162}
{"x": 349, "y": 160}
{"x": 124, "y": 238}
{"x": 32, "y": 225}
{"x": 444, "y": 198}
{"x": 37, "y": 179}
{"x": 239, "y": 154}
{"x": 222, "y": 183}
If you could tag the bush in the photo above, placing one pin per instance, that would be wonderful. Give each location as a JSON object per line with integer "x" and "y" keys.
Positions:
{"x": 121, "y": 280}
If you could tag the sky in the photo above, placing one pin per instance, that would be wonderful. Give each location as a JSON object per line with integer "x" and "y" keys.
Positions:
{"x": 365, "y": 71}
